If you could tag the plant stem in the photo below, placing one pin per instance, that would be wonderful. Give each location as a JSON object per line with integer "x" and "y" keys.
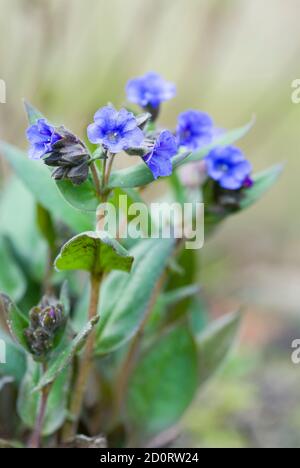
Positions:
{"x": 96, "y": 179}
{"x": 48, "y": 288}
{"x": 85, "y": 365}
{"x": 103, "y": 181}
{"x": 106, "y": 171}
{"x": 35, "y": 439}
{"x": 126, "y": 368}
{"x": 111, "y": 157}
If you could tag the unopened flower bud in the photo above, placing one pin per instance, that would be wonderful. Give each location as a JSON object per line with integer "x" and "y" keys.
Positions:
{"x": 71, "y": 158}
{"x": 46, "y": 320}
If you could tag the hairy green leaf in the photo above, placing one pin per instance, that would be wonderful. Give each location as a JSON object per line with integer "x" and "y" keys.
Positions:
{"x": 95, "y": 252}
{"x": 163, "y": 383}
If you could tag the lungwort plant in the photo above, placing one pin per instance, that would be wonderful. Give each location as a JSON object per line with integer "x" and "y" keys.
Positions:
{"x": 107, "y": 335}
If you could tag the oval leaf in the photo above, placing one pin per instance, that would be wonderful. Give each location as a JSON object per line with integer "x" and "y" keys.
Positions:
{"x": 164, "y": 382}
{"x": 82, "y": 197}
{"x": 95, "y": 252}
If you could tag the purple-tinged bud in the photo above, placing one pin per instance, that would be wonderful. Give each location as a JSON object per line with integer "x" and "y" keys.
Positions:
{"x": 46, "y": 321}
{"x": 70, "y": 157}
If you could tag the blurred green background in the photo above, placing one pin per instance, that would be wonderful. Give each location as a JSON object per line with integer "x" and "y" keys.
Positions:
{"x": 233, "y": 59}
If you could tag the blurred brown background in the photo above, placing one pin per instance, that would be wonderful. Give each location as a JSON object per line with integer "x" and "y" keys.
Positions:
{"x": 233, "y": 59}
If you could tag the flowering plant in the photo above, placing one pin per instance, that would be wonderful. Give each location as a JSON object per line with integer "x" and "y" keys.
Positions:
{"x": 122, "y": 349}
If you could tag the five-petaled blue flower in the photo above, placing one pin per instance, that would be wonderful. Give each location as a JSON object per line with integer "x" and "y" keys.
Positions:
{"x": 229, "y": 167}
{"x": 194, "y": 129}
{"x": 150, "y": 90}
{"x": 41, "y": 137}
{"x": 159, "y": 160}
{"x": 115, "y": 131}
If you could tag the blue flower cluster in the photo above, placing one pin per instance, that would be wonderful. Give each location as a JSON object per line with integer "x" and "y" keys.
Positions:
{"x": 118, "y": 131}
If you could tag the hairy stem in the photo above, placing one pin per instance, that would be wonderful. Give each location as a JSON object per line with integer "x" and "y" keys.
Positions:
{"x": 111, "y": 158}
{"x": 47, "y": 283}
{"x": 96, "y": 179}
{"x": 35, "y": 439}
{"x": 103, "y": 181}
{"x": 85, "y": 365}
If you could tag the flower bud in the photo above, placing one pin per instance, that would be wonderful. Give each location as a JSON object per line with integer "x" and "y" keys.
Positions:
{"x": 70, "y": 157}
{"x": 221, "y": 201}
{"x": 46, "y": 321}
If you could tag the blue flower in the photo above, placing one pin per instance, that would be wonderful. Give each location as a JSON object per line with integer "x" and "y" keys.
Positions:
{"x": 229, "y": 167}
{"x": 159, "y": 160}
{"x": 150, "y": 90}
{"x": 194, "y": 129}
{"x": 116, "y": 131}
{"x": 41, "y": 137}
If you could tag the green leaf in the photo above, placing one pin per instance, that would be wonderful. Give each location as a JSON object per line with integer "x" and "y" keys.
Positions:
{"x": 187, "y": 263}
{"x": 95, "y": 252}
{"x": 12, "y": 280}
{"x": 215, "y": 344}
{"x": 140, "y": 175}
{"x": 64, "y": 298}
{"x": 263, "y": 181}
{"x": 198, "y": 314}
{"x": 33, "y": 114}
{"x": 45, "y": 225}
{"x": 162, "y": 314}
{"x": 37, "y": 178}
{"x": 16, "y": 320}
{"x": 26, "y": 245}
{"x": 125, "y": 298}
{"x": 62, "y": 360}
{"x": 163, "y": 383}
{"x": 178, "y": 188}
{"x": 15, "y": 365}
{"x": 177, "y": 295}
{"x": 81, "y": 197}
{"x": 29, "y": 401}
